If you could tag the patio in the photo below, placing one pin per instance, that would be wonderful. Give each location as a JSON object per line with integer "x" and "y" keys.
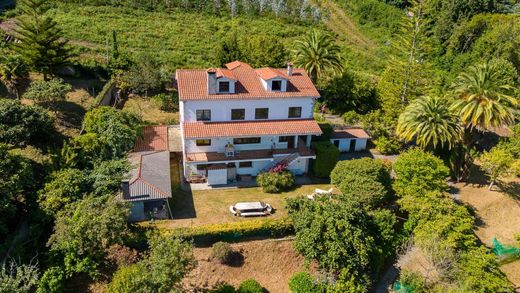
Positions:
{"x": 203, "y": 207}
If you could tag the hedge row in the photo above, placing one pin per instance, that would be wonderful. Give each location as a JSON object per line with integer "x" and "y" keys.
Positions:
{"x": 234, "y": 231}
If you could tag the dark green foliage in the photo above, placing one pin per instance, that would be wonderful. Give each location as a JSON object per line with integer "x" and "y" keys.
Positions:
{"x": 168, "y": 261}
{"x": 12, "y": 71}
{"x": 365, "y": 167}
{"x": 82, "y": 238}
{"x": 229, "y": 50}
{"x": 223, "y": 288}
{"x": 22, "y": 125}
{"x": 52, "y": 280}
{"x": 144, "y": 77}
{"x": 303, "y": 282}
{"x": 350, "y": 92}
{"x": 250, "y": 286}
{"x": 65, "y": 186}
{"x": 111, "y": 133}
{"x": 106, "y": 176}
{"x": 327, "y": 131}
{"x": 327, "y": 156}
{"x": 16, "y": 178}
{"x": 274, "y": 182}
{"x": 41, "y": 44}
{"x": 256, "y": 50}
{"x": 418, "y": 171}
{"x": 340, "y": 234}
{"x": 388, "y": 145}
{"x": 222, "y": 252}
{"x": 168, "y": 102}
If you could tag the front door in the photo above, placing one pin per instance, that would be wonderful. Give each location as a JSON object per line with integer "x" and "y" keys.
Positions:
{"x": 352, "y": 147}
{"x": 336, "y": 143}
{"x": 231, "y": 171}
{"x": 290, "y": 142}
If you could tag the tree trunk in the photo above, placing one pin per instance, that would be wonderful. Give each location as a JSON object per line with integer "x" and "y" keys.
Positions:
{"x": 491, "y": 184}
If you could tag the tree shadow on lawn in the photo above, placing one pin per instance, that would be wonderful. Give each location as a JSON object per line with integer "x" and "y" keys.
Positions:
{"x": 236, "y": 259}
{"x": 512, "y": 189}
{"x": 69, "y": 114}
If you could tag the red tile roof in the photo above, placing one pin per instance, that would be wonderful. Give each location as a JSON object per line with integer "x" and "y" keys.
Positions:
{"x": 193, "y": 83}
{"x": 350, "y": 133}
{"x": 193, "y": 130}
{"x": 223, "y": 72}
{"x": 154, "y": 138}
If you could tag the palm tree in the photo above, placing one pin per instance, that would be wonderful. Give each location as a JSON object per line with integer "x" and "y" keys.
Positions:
{"x": 12, "y": 71}
{"x": 430, "y": 122}
{"x": 483, "y": 98}
{"x": 317, "y": 53}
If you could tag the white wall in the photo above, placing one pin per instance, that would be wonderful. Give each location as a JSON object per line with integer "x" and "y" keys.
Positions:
{"x": 221, "y": 109}
{"x": 217, "y": 177}
{"x": 268, "y": 83}
{"x": 299, "y": 166}
{"x": 344, "y": 144}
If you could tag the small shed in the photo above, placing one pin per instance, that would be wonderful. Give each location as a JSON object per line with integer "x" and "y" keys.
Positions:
{"x": 217, "y": 174}
{"x": 350, "y": 139}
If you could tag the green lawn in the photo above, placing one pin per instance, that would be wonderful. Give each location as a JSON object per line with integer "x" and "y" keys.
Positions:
{"x": 212, "y": 206}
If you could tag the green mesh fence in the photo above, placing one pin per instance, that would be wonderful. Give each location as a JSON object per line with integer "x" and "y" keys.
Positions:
{"x": 505, "y": 251}
{"x": 401, "y": 288}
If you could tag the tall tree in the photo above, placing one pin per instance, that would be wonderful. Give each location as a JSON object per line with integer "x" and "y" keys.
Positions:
{"x": 12, "y": 71}
{"x": 484, "y": 97}
{"x": 407, "y": 75}
{"x": 41, "y": 44}
{"x": 229, "y": 50}
{"x": 317, "y": 54}
{"x": 430, "y": 122}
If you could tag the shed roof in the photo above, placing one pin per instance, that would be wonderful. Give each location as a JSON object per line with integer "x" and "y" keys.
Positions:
{"x": 153, "y": 138}
{"x": 350, "y": 133}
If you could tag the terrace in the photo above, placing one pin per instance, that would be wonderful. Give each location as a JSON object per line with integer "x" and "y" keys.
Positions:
{"x": 247, "y": 155}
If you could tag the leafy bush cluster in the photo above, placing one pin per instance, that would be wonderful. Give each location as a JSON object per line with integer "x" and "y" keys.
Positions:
{"x": 327, "y": 156}
{"x": 274, "y": 182}
{"x": 247, "y": 286}
{"x": 48, "y": 92}
{"x": 442, "y": 227}
{"x": 365, "y": 180}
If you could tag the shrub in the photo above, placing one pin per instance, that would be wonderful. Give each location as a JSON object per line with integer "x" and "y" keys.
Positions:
{"x": 223, "y": 288}
{"x": 51, "y": 91}
{"x": 126, "y": 279}
{"x": 222, "y": 251}
{"x": 367, "y": 191}
{"x": 167, "y": 102}
{"x": 351, "y": 118}
{"x": 121, "y": 256}
{"x": 327, "y": 156}
{"x": 388, "y": 145}
{"x": 274, "y": 182}
{"x": 250, "y": 286}
{"x": 328, "y": 131}
{"x": 365, "y": 167}
{"x": 303, "y": 282}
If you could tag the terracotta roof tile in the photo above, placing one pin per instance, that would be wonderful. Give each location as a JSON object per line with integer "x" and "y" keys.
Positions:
{"x": 270, "y": 73}
{"x": 350, "y": 133}
{"x": 223, "y": 72}
{"x": 192, "y": 84}
{"x": 154, "y": 138}
{"x": 193, "y": 130}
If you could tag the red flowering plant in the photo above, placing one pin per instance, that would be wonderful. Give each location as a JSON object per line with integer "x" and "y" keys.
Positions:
{"x": 279, "y": 168}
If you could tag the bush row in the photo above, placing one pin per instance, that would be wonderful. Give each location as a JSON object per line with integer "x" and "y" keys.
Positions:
{"x": 234, "y": 231}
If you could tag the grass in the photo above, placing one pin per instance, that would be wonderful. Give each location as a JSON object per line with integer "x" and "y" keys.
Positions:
{"x": 179, "y": 39}
{"x": 204, "y": 207}
{"x": 149, "y": 110}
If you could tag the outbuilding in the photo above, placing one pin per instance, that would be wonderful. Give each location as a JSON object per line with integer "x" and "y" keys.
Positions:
{"x": 350, "y": 139}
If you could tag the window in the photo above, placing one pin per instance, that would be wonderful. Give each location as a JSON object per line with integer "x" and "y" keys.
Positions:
{"x": 261, "y": 113}
{"x": 284, "y": 138}
{"x": 276, "y": 85}
{"x": 246, "y": 140}
{"x": 203, "y": 115}
{"x": 223, "y": 87}
{"x": 203, "y": 142}
{"x": 238, "y": 114}
{"x": 202, "y": 167}
{"x": 295, "y": 112}
{"x": 245, "y": 164}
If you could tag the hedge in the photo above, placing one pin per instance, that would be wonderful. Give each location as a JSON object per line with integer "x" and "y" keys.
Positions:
{"x": 327, "y": 156}
{"x": 234, "y": 231}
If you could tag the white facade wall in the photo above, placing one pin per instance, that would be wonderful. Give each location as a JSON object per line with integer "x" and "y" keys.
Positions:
{"x": 217, "y": 177}
{"x": 344, "y": 144}
{"x": 221, "y": 109}
{"x": 219, "y": 144}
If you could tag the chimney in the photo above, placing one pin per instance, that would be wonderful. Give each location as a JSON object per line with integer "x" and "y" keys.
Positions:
{"x": 212, "y": 81}
{"x": 125, "y": 187}
{"x": 289, "y": 68}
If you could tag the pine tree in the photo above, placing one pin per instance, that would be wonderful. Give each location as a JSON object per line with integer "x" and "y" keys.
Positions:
{"x": 407, "y": 75}
{"x": 41, "y": 44}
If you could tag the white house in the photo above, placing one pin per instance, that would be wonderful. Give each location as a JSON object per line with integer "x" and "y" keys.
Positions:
{"x": 350, "y": 139}
{"x": 237, "y": 121}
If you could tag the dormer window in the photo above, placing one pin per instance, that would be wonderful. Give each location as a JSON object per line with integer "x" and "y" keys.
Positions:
{"x": 223, "y": 87}
{"x": 276, "y": 85}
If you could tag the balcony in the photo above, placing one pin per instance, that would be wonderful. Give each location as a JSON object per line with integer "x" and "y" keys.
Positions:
{"x": 247, "y": 155}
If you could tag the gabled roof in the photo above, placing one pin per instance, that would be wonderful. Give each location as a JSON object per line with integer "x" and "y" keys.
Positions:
{"x": 193, "y": 83}
{"x": 223, "y": 72}
{"x": 153, "y": 138}
{"x": 350, "y": 133}
{"x": 270, "y": 73}
{"x": 150, "y": 177}
{"x": 194, "y": 130}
